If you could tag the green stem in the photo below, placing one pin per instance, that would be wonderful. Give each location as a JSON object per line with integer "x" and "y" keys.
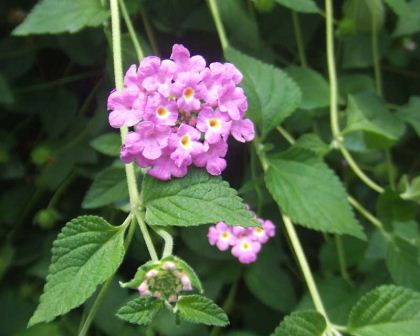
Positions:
{"x": 219, "y": 24}
{"x": 149, "y": 32}
{"x": 391, "y": 176}
{"x": 375, "y": 53}
{"x": 303, "y": 263}
{"x": 131, "y": 31}
{"x": 254, "y": 178}
{"x": 146, "y": 235}
{"x": 365, "y": 213}
{"x": 169, "y": 242}
{"x": 289, "y": 138}
{"x": 299, "y": 40}
{"x": 60, "y": 190}
{"x": 342, "y": 259}
{"x": 335, "y": 127}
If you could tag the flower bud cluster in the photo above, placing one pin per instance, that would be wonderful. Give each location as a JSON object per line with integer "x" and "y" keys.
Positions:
{"x": 165, "y": 282}
{"x": 245, "y": 243}
{"x": 182, "y": 111}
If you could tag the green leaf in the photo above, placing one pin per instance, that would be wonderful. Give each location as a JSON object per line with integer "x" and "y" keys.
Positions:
{"x": 403, "y": 262}
{"x": 310, "y": 193}
{"x": 86, "y": 253}
{"x": 141, "y": 310}
{"x": 412, "y": 190}
{"x": 196, "y": 199}
{"x": 410, "y": 113}
{"x": 314, "y": 143}
{"x": 272, "y": 94}
{"x": 270, "y": 284}
{"x": 304, "y": 6}
{"x": 199, "y": 309}
{"x": 108, "y": 144}
{"x": 400, "y": 7}
{"x": 315, "y": 89}
{"x": 108, "y": 187}
{"x": 409, "y": 20}
{"x": 60, "y": 16}
{"x": 302, "y": 323}
{"x": 367, "y": 113}
{"x": 386, "y": 311}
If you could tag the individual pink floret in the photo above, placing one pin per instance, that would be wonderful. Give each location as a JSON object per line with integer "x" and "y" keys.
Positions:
{"x": 127, "y": 108}
{"x": 188, "y": 90}
{"x": 187, "y": 144}
{"x": 246, "y": 250}
{"x": 153, "y": 138}
{"x": 243, "y": 130}
{"x": 221, "y": 236}
{"x": 215, "y": 125}
{"x": 213, "y": 158}
{"x": 161, "y": 111}
{"x": 233, "y": 101}
{"x": 164, "y": 168}
{"x": 184, "y": 62}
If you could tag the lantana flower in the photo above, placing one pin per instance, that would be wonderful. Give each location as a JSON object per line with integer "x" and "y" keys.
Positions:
{"x": 181, "y": 112}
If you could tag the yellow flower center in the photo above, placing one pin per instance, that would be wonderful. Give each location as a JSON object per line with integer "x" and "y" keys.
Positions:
{"x": 188, "y": 93}
{"x": 185, "y": 141}
{"x": 245, "y": 246}
{"x": 259, "y": 230}
{"x": 225, "y": 235}
{"x": 162, "y": 112}
{"x": 214, "y": 123}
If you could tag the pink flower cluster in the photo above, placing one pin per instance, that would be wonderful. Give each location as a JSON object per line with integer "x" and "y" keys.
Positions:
{"x": 246, "y": 243}
{"x": 182, "y": 112}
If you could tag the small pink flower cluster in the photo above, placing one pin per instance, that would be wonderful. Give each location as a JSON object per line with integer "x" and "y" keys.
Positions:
{"x": 182, "y": 112}
{"x": 246, "y": 243}
{"x": 165, "y": 283}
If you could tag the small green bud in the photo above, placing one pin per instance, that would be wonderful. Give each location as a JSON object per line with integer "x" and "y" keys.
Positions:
{"x": 41, "y": 155}
{"x": 46, "y": 218}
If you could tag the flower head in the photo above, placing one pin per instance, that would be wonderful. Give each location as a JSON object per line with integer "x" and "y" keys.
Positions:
{"x": 221, "y": 235}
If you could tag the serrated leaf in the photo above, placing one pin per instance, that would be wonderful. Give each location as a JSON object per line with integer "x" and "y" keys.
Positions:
{"x": 199, "y": 309}
{"x": 367, "y": 113}
{"x": 309, "y": 192}
{"x": 403, "y": 262}
{"x": 60, "y": 16}
{"x": 314, "y": 143}
{"x": 272, "y": 94}
{"x": 195, "y": 280}
{"x": 140, "y": 311}
{"x": 87, "y": 251}
{"x": 386, "y": 311}
{"x": 108, "y": 144}
{"x": 302, "y": 323}
{"x": 108, "y": 187}
{"x": 196, "y": 199}
{"x": 304, "y": 6}
{"x": 314, "y": 87}
{"x": 409, "y": 20}
{"x": 410, "y": 113}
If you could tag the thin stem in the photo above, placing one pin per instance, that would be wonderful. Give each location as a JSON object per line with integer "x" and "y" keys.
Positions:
{"x": 365, "y": 213}
{"x": 60, "y": 190}
{"x": 254, "y": 176}
{"x": 149, "y": 32}
{"x": 219, "y": 24}
{"x": 391, "y": 176}
{"x": 335, "y": 127}
{"x": 289, "y": 138}
{"x": 356, "y": 169}
{"x": 342, "y": 259}
{"x": 375, "y": 53}
{"x": 299, "y": 40}
{"x": 169, "y": 242}
{"x": 227, "y": 306}
{"x": 146, "y": 235}
{"x": 131, "y": 31}
{"x": 303, "y": 263}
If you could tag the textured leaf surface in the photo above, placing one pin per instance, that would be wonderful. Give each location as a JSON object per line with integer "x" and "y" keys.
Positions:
{"x": 304, "y": 6}
{"x": 87, "y": 251}
{"x": 60, "y": 16}
{"x": 386, "y": 311}
{"x": 301, "y": 323}
{"x": 410, "y": 113}
{"x": 140, "y": 310}
{"x": 108, "y": 144}
{"x": 403, "y": 263}
{"x": 108, "y": 187}
{"x": 310, "y": 193}
{"x": 196, "y": 199}
{"x": 272, "y": 94}
{"x": 315, "y": 89}
{"x": 367, "y": 113}
{"x": 409, "y": 20}
{"x": 199, "y": 309}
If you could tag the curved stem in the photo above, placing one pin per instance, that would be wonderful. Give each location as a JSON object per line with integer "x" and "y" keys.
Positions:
{"x": 303, "y": 263}
{"x": 149, "y": 32}
{"x": 299, "y": 40}
{"x": 335, "y": 127}
{"x": 131, "y": 31}
{"x": 365, "y": 213}
{"x": 218, "y": 22}
{"x": 289, "y": 138}
{"x": 169, "y": 242}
